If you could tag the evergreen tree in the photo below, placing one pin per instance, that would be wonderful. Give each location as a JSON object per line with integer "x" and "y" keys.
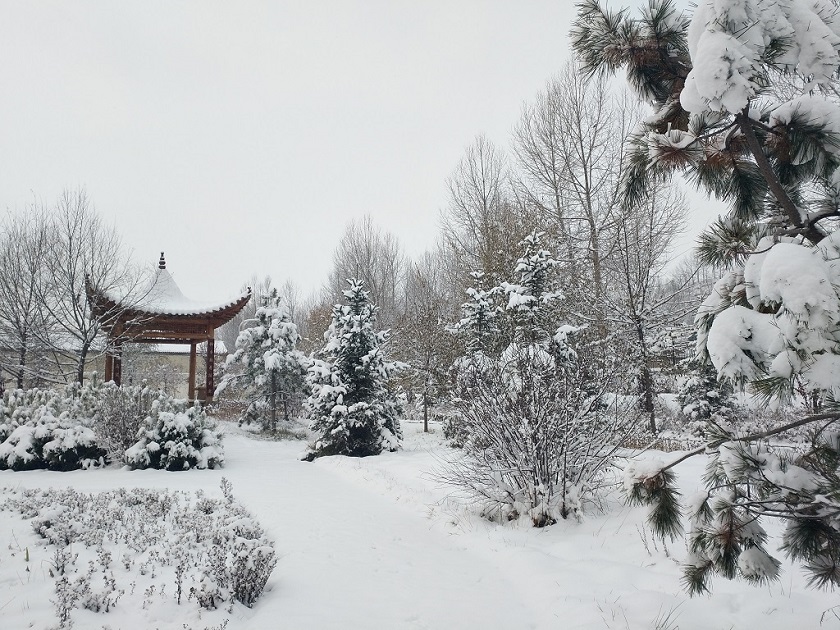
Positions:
{"x": 350, "y": 407}
{"x": 479, "y": 322}
{"x": 274, "y": 369}
{"x": 745, "y": 98}
{"x": 704, "y": 395}
{"x": 530, "y": 300}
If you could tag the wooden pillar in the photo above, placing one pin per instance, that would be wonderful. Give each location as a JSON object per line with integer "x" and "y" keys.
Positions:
{"x": 209, "y": 380}
{"x": 109, "y": 365}
{"x": 191, "y": 386}
{"x": 117, "y": 363}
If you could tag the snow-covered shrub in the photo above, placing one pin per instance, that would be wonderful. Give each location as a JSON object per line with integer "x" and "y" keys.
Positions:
{"x": 50, "y": 443}
{"x": 122, "y": 413}
{"x": 466, "y": 373}
{"x": 48, "y": 429}
{"x": 538, "y": 437}
{"x": 177, "y": 437}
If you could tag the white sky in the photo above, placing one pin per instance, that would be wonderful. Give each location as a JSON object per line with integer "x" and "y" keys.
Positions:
{"x": 241, "y": 137}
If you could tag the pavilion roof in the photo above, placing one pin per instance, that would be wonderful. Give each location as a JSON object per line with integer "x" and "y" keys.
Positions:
{"x": 163, "y": 298}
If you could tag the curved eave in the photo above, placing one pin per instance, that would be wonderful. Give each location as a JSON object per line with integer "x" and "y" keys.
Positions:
{"x": 110, "y": 312}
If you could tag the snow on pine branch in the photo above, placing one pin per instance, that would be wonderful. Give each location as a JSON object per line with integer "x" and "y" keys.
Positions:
{"x": 729, "y": 41}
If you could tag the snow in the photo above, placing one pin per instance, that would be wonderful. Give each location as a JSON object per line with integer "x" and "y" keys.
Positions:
{"x": 163, "y": 296}
{"x": 376, "y": 543}
{"x": 792, "y": 328}
{"x": 728, "y": 40}
{"x": 738, "y": 342}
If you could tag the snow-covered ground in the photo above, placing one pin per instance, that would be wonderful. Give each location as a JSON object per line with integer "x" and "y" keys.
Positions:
{"x": 378, "y": 543}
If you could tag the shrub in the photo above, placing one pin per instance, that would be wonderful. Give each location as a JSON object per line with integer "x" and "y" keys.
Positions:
{"x": 46, "y": 429}
{"x": 122, "y": 414}
{"x": 210, "y": 550}
{"x": 538, "y": 437}
{"x": 176, "y": 437}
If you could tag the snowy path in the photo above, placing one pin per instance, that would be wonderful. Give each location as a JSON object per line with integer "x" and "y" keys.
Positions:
{"x": 350, "y": 560}
{"x": 373, "y": 544}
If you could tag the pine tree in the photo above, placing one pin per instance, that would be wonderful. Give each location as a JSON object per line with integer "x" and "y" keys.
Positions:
{"x": 350, "y": 407}
{"x": 273, "y": 368}
{"x": 734, "y": 105}
{"x": 746, "y": 107}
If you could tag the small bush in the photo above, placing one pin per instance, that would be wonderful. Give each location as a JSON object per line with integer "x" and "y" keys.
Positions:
{"x": 49, "y": 442}
{"x": 175, "y": 437}
{"x": 122, "y": 414}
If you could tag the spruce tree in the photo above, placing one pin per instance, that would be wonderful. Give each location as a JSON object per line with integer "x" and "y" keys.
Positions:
{"x": 530, "y": 301}
{"x": 351, "y": 408}
{"x": 745, "y": 105}
{"x": 704, "y": 395}
{"x": 479, "y": 323}
{"x": 273, "y": 369}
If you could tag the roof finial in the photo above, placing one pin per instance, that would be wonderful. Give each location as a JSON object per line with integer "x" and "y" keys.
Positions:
{"x": 161, "y": 262}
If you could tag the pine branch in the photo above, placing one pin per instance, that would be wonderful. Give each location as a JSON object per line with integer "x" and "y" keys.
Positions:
{"x": 773, "y": 183}
{"x": 752, "y": 437}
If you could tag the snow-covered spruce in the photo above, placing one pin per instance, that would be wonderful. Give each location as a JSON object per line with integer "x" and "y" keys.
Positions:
{"x": 479, "y": 324}
{"x": 703, "y": 396}
{"x": 273, "y": 370}
{"x": 177, "y": 437}
{"x": 530, "y": 300}
{"x": 351, "y": 409}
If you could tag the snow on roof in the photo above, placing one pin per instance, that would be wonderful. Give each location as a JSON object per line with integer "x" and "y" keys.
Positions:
{"x": 164, "y": 297}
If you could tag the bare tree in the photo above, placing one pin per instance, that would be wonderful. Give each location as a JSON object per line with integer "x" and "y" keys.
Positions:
{"x": 636, "y": 303}
{"x": 484, "y": 221}
{"x": 23, "y": 245}
{"x": 421, "y": 339}
{"x": 374, "y": 257}
{"x": 81, "y": 248}
{"x": 570, "y": 148}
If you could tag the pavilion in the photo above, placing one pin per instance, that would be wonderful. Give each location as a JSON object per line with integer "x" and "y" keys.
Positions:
{"x": 162, "y": 315}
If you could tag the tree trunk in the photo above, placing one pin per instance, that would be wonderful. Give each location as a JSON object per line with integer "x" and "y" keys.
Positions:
{"x": 21, "y": 361}
{"x": 646, "y": 380}
{"x": 273, "y": 400}
{"x": 597, "y": 279}
{"x": 80, "y": 367}
{"x": 426, "y": 409}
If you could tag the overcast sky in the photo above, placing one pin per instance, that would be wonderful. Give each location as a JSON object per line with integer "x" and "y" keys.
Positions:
{"x": 241, "y": 137}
